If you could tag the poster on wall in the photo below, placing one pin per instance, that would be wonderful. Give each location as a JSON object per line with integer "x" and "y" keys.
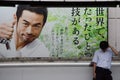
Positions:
{"x": 52, "y": 32}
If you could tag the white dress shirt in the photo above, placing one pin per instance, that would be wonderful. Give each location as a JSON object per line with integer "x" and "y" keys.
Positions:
{"x": 33, "y": 49}
{"x": 103, "y": 59}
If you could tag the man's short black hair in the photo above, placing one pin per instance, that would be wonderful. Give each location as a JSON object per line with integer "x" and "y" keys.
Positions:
{"x": 104, "y": 45}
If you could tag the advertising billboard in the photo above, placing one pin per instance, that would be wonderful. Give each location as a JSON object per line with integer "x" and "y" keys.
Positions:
{"x": 67, "y": 32}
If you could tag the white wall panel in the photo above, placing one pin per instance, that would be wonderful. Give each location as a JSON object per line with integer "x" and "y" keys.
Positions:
{"x": 10, "y": 73}
{"x": 118, "y": 12}
{"x": 52, "y": 73}
{"x": 57, "y": 73}
{"x": 112, "y": 12}
{"x": 118, "y": 34}
{"x": 112, "y": 26}
{"x": 116, "y": 72}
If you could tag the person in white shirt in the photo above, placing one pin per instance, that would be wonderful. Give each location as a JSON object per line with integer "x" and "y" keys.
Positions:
{"x": 23, "y": 33}
{"x": 102, "y": 61}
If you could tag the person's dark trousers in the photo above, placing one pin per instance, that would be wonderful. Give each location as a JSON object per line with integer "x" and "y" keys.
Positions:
{"x": 103, "y": 74}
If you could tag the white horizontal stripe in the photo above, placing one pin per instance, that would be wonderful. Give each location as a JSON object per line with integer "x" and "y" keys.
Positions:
{"x": 47, "y": 64}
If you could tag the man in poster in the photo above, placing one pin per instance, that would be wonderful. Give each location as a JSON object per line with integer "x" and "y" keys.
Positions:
{"x": 23, "y": 33}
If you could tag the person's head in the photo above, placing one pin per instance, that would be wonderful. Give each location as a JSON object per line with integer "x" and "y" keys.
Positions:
{"x": 29, "y": 22}
{"x": 36, "y": 9}
{"x": 104, "y": 45}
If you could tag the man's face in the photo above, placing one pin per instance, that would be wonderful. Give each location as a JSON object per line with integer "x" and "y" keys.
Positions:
{"x": 29, "y": 26}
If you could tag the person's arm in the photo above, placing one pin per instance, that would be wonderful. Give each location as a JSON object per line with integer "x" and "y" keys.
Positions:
{"x": 94, "y": 62}
{"x": 114, "y": 50}
{"x": 94, "y": 69}
{"x": 6, "y": 31}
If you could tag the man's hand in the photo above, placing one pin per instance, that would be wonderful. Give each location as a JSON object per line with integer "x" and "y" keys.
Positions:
{"x": 6, "y": 30}
{"x": 114, "y": 50}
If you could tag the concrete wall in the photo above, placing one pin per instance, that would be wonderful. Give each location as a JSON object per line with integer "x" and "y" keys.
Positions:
{"x": 46, "y": 73}
{"x": 114, "y": 27}
{"x": 51, "y": 72}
